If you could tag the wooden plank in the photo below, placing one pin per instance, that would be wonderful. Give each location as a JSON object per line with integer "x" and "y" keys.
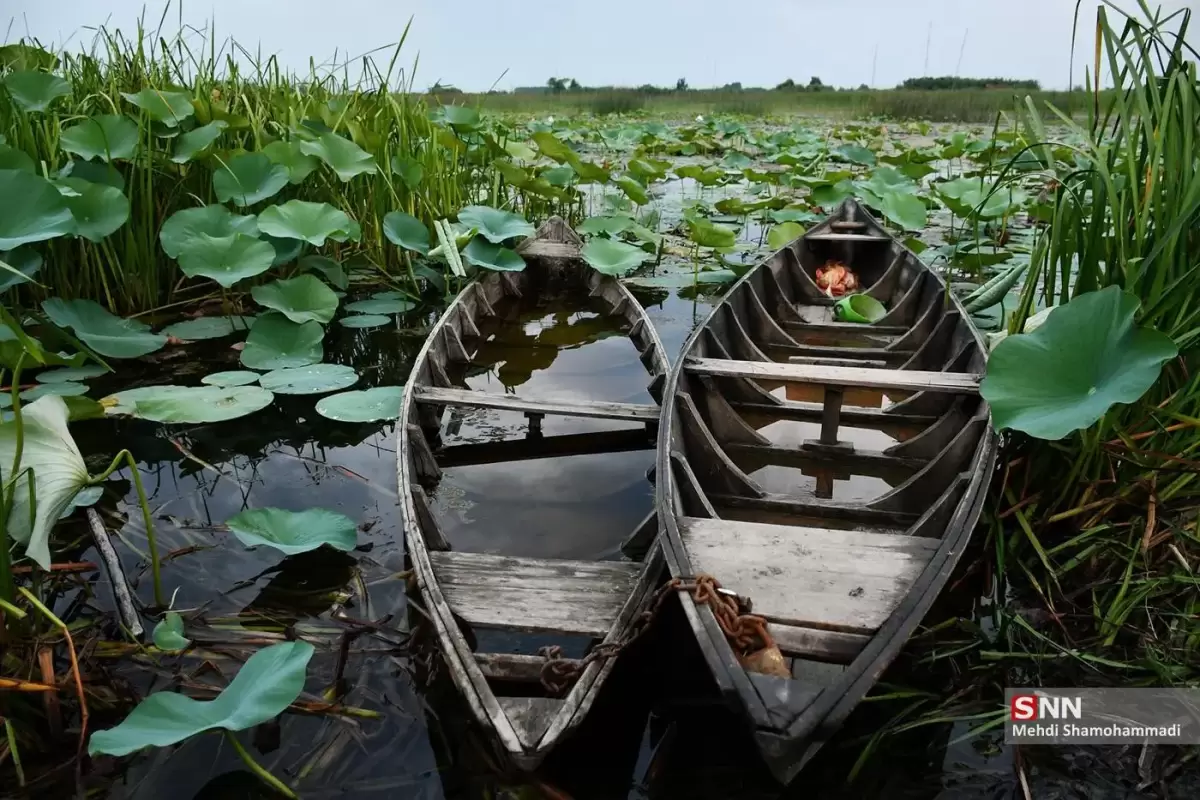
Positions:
{"x": 809, "y": 577}
{"x": 513, "y": 666}
{"x": 775, "y": 505}
{"x": 571, "y": 444}
{"x": 546, "y": 249}
{"x": 630, "y": 412}
{"x": 835, "y": 647}
{"x": 531, "y": 594}
{"x": 894, "y": 379}
{"x": 846, "y": 237}
{"x": 858, "y": 462}
{"x": 855, "y": 417}
{"x": 530, "y": 716}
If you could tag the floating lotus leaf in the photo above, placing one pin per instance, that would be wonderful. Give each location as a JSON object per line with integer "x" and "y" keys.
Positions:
{"x": 494, "y": 224}
{"x": 184, "y": 227}
{"x": 855, "y": 154}
{"x": 248, "y": 178}
{"x": 1086, "y": 357}
{"x": 404, "y": 230}
{"x": 309, "y": 222}
{"x": 612, "y": 257}
{"x": 783, "y": 234}
{"x": 233, "y": 377}
{"x": 289, "y": 155}
{"x": 633, "y": 190}
{"x": 100, "y": 330}
{"x": 481, "y": 253}
{"x": 71, "y": 374}
{"x": 168, "y": 633}
{"x": 293, "y": 532}
{"x": 792, "y": 215}
{"x": 12, "y": 158}
{"x": 169, "y": 108}
{"x": 108, "y": 137}
{"x": 23, "y": 263}
{"x": 188, "y": 405}
{"x": 33, "y": 90}
{"x": 461, "y": 117}
{"x": 275, "y": 342}
{"x": 709, "y": 234}
{"x": 381, "y": 305}
{"x": 410, "y": 170}
{"x": 315, "y": 379}
{"x": 345, "y": 157}
{"x": 610, "y": 226}
{"x": 368, "y": 405}
{"x": 905, "y": 210}
{"x": 300, "y": 299}
{"x": 98, "y": 209}
{"x": 196, "y": 141}
{"x": 330, "y": 269}
{"x": 966, "y": 198}
{"x": 62, "y": 389}
{"x": 193, "y": 330}
{"x": 364, "y": 321}
{"x": 31, "y": 210}
{"x": 226, "y": 259}
{"x": 49, "y": 453}
{"x": 552, "y": 147}
{"x": 265, "y": 685}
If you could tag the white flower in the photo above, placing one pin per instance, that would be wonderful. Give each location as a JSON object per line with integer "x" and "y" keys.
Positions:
{"x": 550, "y": 120}
{"x": 699, "y": 118}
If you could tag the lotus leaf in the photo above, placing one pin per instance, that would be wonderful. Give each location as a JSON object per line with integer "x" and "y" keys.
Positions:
{"x": 828, "y": 195}
{"x": 410, "y": 170}
{"x": 1086, "y": 357}
{"x": 905, "y": 210}
{"x": 610, "y": 226}
{"x": 368, "y": 405}
{"x": 226, "y": 259}
{"x": 855, "y": 154}
{"x": 188, "y": 405}
{"x": 108, "y": 137}
{"x": 108, "y": 335}
{"x": 22, "y": 264}
{"x": 196, "y": 141}
{"x": 784, "y": 233}
{"x": 85, "y": 497}
{"x": 275, "y": 342}
{"x": 248, "y": 178}
{"x": 364, "y": 321}
{"x": 309, "y": 222}
{"x": 168, "y": 633}
{"x": 611, "y": 257}
{"x": 192, "y": 330}
{"x": 483, "y": 254}
{"x": 98, "y": 209}
{"x": 708, "y": 234}
{"x": 33, "y": 90}
{"x": 633, "y": 190}
{"x": 183, "y": 227}
{"x": 974, "y": 197}
{"x": 263, "y": 688}
{"x": 49, "y": 453}
{"x": 233, "y": 377}
{"x": 404, "y": 230}
{"x": 293, "y": 532}
{"x": 71, "y": 374}
{"x": 31, "y": 210}
{"x": 169, "y": 108}
{"x": 315, "y": 379}
{"x": 289, "y": 155}
{"x": 327, "y": 267}
{"x": 381, "y": 305}
{"x": 94, "y": 172}
{"x": 300, "y": 299}
{"x": 286, "y": 250}
{"x": 12, "y": 158}
{"x": 552, "y": 147}
{"x": 342, "y": 155}
{"x": 63, "y": 389}
{"x": 494, "y": 224}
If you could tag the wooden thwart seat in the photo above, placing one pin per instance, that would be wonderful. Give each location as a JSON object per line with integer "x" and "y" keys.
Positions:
{"x": 534, "y": 594}
{"x": 835, "y": 580}
{"x": 629, "y": 412}
{"x": 846, "y": 237}
{"x": 903, "y": 380}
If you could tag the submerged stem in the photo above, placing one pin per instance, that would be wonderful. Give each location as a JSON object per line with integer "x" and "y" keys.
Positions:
{"x": 155, "y": 566}
{"x": 258, "y": 769}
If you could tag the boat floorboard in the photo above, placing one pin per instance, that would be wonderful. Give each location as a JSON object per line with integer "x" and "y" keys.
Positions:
{"x": 630, "y": 412}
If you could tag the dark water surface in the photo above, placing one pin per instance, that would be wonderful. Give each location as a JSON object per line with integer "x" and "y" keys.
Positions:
{"x": 657, "y": 730}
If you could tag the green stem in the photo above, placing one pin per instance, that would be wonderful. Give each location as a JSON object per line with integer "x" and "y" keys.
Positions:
{"x": 11, "y": 736}
{"x": 155, "y": 568}
{"x": 258, "y": 769}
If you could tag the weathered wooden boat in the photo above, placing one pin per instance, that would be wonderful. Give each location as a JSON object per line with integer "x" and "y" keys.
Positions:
{"x": 594, "y": 605}
{"x": 841, "y": 540}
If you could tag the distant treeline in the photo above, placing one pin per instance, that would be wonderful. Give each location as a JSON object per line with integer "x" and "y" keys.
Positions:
{"x": 814, "y": 84}
{"x": 949, "y": 82}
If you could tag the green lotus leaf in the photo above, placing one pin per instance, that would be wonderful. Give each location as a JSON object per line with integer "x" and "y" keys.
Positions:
{"x": 974, "y": 197}
{"x": 404, "y": 230}
{"x": 98, "y": 209}
{"x": 275, "y": 342}
{"x": 709, "y": 234}
{"x": 1086, "y": 357}
{"x": 801, "y": 215}
{"x": 233, "y": 377}
{"x": 342, "y": 155}
{"x": 185, "y": 226}
{"x": 265, "y": 685}
{"x": 188, "y": 405}
{"x": 552, "y": 147}
{"x": 196, "y": 141}
{"x": 783, "y": 234}
{"x": 461, "y": 117}
{"x": 94, "y": 172}
{"x": 611, "y": 257}
{"x": 289, "y": 156}
{"x": 381, "y": 305}
{"x": 22, "y": 56}
{"x": 12, "y": 158}
{"x": 200, "y": 328}
{"x": 71, "y": 374}
{"x": 50, "y": 455}
{"x": 31, "y": 210}
{"x": 300, "y": 299}
{"x": 905, "y": 210}
{"x": 494, "y": 224}
{"x": 293, "y": 532}
{"x": 828, "y": 195}
{"x": 22, "y": 264}
{"x": 560, "y": 176}
{"x": 168, "y": 633}
{"x": 633, "y": 190}
{"x": 364, "y": 321}
{"x": 88, "y": 495}
{"x": 315, "y": 379}
{"x": 248, "y": 178}
{"x": 411, "y": 171}
{"x": 226, "y": 259}
{"x": 109, "y": 137}
{"x": 309, "y": 222}
{"x": 64, "y": 389}
{"x": 33, "y": 90}
{"x": 610, "y": 226}
{"x": 100, "y": 330}
{"x": 169, "y": 108}
{"x": 327, "y": 267}
{"x": 855, "y": 154}
{"x": 286, "y": 250}
{"x": 368, "y": 405}
{"x": 481, "y": 253}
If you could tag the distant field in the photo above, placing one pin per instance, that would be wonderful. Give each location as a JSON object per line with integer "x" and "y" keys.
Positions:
{"x": 968, "y": 105}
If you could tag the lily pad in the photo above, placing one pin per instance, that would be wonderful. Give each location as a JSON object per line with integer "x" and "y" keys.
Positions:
{"x": 108, "y": 137}
{"x": 71, "y": 374}
{"x": 367, "y": 405}
{"x": 226, "y": 259}
{"x": 248, "y": 178}
{"x": 62, "y": 389}
{"x": 31, "y": 210}
{"x": 49, "y": 452}
{"x": 275, "y": 342}
{"x": 194, "y": 330}
{"x": 1086, "y": 357}
{"x": 783, "y": 233}
{"x": 315, "y": 379}
{"x": 291, "y": 157}
{"x": 94, "y": 172}
{"x": 611, "y": 257}
{"x": 98, "y": 209}
{"x": 168, "y": 107}
{"x": 481, "y": 253}
{"x": 610, "y": 226}
{"x": 710, "y": 234}
{"x": 330, "y": 269}
{"x": 345, "y": 157}
{"x": 196, "y": 141}
{"x": 300, "y": 299}
{"x": 309, "y": 222}
{"x": 168, "y": 633}
{"x": 293, "y": 532}
{"x": 494, "y": 224}
{"x": 381, "y": 305}
{"x": 364, "y": 321}
{"x": 183, "y": 227}
{"x": 33, "y": 90}
{"x": 286, "y": 250}
{"x": 233, "y": 377}
{"x": 855, "y": 154}
{"x": 265, "y": 685}
{"x": 905, "y": 210}
{"x": 405, "y": 230}
{"x": 105, "y": 333}
{"x": 188, "y": 405}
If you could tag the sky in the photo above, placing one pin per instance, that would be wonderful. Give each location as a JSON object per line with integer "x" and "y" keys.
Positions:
{"x": 478, "y": 44}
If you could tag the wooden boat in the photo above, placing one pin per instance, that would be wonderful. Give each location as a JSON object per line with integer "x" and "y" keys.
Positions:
{"x": 592, "y": 605}
{"x": 842, "y": 540}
